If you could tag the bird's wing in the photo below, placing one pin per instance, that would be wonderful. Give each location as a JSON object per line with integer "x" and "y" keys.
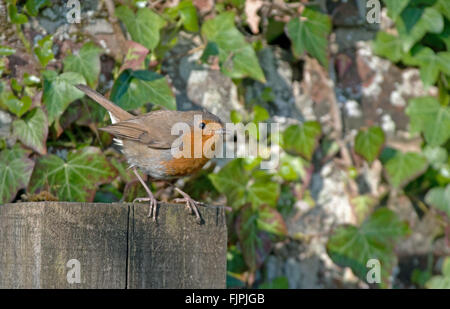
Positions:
{"x": 152, "y": 129}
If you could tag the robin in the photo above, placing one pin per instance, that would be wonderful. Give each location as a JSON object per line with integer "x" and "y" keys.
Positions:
{"x": 148, "y": 144}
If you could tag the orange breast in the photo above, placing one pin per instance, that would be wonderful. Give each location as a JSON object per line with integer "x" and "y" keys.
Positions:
{"x": 186, "y": 166}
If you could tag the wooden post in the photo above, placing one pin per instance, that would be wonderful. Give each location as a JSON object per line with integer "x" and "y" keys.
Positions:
{"x": 57, "y": 244}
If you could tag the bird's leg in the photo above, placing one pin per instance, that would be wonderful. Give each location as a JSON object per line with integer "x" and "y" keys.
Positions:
{"x": 150, "y": 198}
{"x": 190, "y": 204}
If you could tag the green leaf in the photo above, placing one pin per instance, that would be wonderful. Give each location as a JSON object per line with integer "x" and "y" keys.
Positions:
{"x": 33, "y": 6}
{"x": 236, "y": 57}
{"x": 210, "y": 50}
{"x": 436, "y": 156}
{"x": 74, "y": 179}
{"x": 260, "y": 193}
{"x": 363, "y": 205}
{"x": 248, "y": 238}
{"x": 15, "y": 17}
{"x": 309, "y": 33}
{"x": 444, "y": 7}
{"x": 302, "y": 140}
{"x": 395, "y": 7}
{"x": 188, "y": 14}
{"x": 255, "y": 244}
{"x": 260, "y": 114}
{"x": 430, "y": 21}
{"x": 232, "y": 181}
{"x": 132, "y": 89}
{"x": 59, "y": 92}
{"x": 277, "y": 283}
{"x": 271, "y": 221}
{"x": 429, "y": 117}
{"x": 440, "y": 199}
{"x": 143, "y": 27}
{"x": 404, "y": 167}
{"x": 431, "y": 64}
{"x": 16, "y": 106}
{"x": 388, "y": 46}
{"x": 6, "y": 50}
{"x": 43, "y": 50}
{"x": 86, "y": 62}
{"x": 441, "y": 282}
{"x": 32, "y": 130}
{"x": 15, "y": 172}
{"x": 353, "y": 247}
{"x": 369, "y": 143}
{"x": 291, "y": 168}
{"x": 236, "y": 116}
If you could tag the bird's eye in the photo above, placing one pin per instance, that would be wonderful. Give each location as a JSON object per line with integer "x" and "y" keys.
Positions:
{"x": 202, "y": 125}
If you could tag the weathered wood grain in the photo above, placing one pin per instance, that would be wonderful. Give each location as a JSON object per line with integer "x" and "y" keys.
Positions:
{"x": 116, "y": 244}
{"x": 177, "y": 252}
{"x": 38, "y": 239}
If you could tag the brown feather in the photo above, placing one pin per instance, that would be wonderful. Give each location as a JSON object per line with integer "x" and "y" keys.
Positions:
{"x": 115, "y": 110}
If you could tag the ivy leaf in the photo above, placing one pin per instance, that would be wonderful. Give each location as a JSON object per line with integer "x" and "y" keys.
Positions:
{"x": 59, "y": 91}
{"x": 255, "y": 244}
{"x": 86, "y": 62}
{"x": 395, "y": 7}
{"x": 188, "y": 15}
{"x": 236, "y": 57}
{"x": 260, "y": 114}
{"x": 429, "y": 117}
{"x": 43, "y": 50}
{"x": 369, "y": 143}
{"x": 16, "y": 106}
{"x": 135, "y": 57}
{"x": 143, "y": 27}
{"x": 132, "y": 89}
{"x": 232, "y": 181}
{"x": 388, "y": 46}
{"x": 73, "y": 179}
{"x": 271, "y": 221}
{"x": 302, "y": 140}
{"x": 309, "y": 33}
{"x": 32, "y": 130}
{"x": 33, "y": 6}
{"x": 260, "y": 193}
{"x": 404, "y": 167}
{"x": 15, "y": 172}
{"x": 363, "y": 205}
{"x": 291, "y": 168}
{"x": 431, "y": 64}
{"x": 210, "y": 50}
{"x": 353, "y": 247}
{"x": 16, "y": 17}
{"x": 430, "y": 21}
{"x": 440, "y": 199}
{"x": 436, "y": 156}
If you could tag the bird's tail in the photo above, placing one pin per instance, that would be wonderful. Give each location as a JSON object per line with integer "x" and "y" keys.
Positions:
{"x": 116, "y": 113}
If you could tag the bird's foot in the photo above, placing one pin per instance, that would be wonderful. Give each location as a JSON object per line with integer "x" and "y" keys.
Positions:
{"x": 152, "y": 207}
{"x": 191, "y": 205}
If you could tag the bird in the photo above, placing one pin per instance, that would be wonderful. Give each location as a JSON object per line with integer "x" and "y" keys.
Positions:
{"x": 148, "y": 144}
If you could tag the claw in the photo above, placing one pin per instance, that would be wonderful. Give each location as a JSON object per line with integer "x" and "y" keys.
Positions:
{"x": 152, "y": 207}
{"x": 190, "y": 204}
